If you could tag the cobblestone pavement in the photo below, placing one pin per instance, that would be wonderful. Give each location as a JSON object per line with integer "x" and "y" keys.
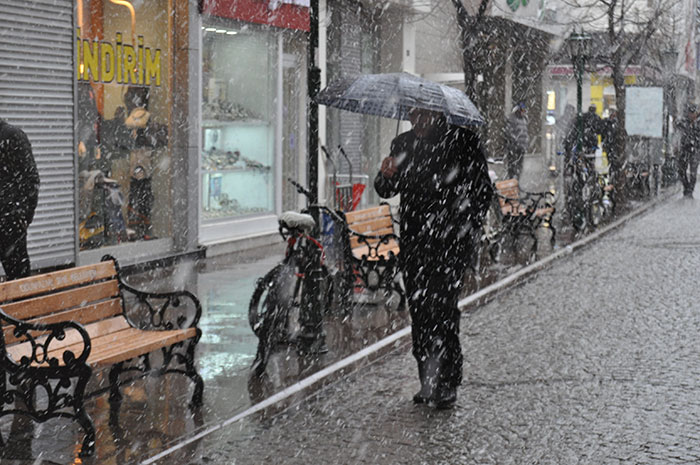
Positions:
{"x": 594, "y": 360}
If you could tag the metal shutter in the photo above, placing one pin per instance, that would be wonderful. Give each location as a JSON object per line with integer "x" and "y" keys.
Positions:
{"x": 36, "y": 94}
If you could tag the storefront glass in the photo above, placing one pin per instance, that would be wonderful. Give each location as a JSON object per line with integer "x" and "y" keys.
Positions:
{"x": 239, "y": 120}
{"x": 124, "y": 121}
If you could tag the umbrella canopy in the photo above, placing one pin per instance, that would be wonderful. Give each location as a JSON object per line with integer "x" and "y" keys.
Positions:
{"x": 392, "y": 95}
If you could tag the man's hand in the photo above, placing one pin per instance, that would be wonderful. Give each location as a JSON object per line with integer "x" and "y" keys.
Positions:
{"x": 389, "y": 167}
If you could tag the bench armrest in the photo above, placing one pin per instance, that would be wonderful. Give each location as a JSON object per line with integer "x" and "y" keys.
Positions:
{"x": 41, "y": 343}
{"x": 166, "y": 310}
{"x": 165, "y": 307}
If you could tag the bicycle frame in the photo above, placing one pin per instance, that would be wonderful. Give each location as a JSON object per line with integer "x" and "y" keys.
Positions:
{"x": 582, "y": 190}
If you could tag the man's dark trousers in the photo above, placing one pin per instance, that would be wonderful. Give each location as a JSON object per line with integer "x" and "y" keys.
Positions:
{"x": 433, "y": 290}
{"x": 688, "y": 166}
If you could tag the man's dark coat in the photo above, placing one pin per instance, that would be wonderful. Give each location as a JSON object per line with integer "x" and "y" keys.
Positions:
{"x": 19, "y": 179}
{"x": 445, "y": 192}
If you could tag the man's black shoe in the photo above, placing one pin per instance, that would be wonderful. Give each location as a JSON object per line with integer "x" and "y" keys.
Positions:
{"x": 421, "y": 398}
{"x": 444, "y": 399}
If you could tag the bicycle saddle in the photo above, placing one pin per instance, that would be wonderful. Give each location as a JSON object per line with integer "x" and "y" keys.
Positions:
{"x": 293, "y": 220}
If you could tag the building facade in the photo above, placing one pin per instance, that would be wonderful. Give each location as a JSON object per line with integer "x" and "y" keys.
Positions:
{"x": 253, "y": 118}
{"x": 159, "y": 128}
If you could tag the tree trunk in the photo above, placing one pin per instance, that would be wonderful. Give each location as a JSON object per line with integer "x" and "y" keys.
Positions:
{"x": 620, "y": 181}
{"x": 469, "y": 27}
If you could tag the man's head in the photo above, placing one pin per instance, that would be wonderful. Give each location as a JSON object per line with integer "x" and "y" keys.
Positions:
{"x": 423, "y": 121}
{"x": 612, "y": 112}
{"x": 691, "y": 109}
{"x": 592, "y": 109}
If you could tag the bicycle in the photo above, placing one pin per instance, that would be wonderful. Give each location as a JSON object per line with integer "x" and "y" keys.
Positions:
{"x": 637, "y": 175}
{"x": 301, "y": 285}
{"x": 584, "y": 195}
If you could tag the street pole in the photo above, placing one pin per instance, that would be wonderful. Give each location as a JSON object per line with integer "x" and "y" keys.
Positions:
{"x": 314, "y": 86}
{"x": 579, "y": 100}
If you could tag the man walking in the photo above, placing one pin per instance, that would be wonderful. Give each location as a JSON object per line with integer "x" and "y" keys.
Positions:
{"x": 610, "y": 126}
{"x": 690, "y": 146}
{"x": 517, "y": 141}
{"x": 19, "y": 193}
{"x": 441, "y": 173}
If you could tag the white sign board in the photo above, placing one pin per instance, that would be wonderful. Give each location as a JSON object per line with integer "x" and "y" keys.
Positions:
{"x": 644, "y": 115}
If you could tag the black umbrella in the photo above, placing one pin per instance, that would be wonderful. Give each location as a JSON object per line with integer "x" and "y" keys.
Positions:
{"x": 392, "y": 95}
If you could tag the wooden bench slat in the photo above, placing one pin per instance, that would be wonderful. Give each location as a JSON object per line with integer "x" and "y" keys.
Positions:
{"x": 59, "y": 301}
{"x": 367, "y": 213}
{"x": 124, "y": 345}
{"x": 55, "y": 281}
{"x": 149, "y": 341}
{"x": 129, "y": 343}
{"x": 95, "y": 330}
{"x": 83, "y": 315}
{"x": 372, "y": 225}
{"x": 74, "y": 342}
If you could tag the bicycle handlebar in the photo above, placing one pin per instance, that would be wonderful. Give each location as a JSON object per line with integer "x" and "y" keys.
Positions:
{"x": 301, "y": 189}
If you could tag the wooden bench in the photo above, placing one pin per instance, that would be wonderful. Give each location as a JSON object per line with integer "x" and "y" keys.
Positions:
{"x": 518, "y": 213}
{"x": 57, "y": 327}
{"x": 374, "y": 248}
{"x": 372, "y": 233}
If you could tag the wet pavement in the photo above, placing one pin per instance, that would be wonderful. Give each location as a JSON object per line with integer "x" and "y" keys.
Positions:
{"x": 593, "y": 360}
{"x": 154, "y": 417}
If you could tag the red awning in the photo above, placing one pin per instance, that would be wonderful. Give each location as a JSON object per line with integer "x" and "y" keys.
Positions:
{"x": 288, "y": 14}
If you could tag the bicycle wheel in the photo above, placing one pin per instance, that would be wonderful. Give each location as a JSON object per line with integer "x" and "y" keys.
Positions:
{"x": 595, "y": 206}
{"x": 395, "y": 296}
{"x": 269, "y": 306}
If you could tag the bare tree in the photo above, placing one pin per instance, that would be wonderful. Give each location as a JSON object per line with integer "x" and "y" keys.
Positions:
{"x": 625, "y": 49}
{"x": 628, "y": 26}
{"x": 471, "y": 35}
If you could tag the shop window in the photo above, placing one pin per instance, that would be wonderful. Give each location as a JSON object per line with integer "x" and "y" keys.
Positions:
{"x": 123, "y": 126}
{"x": 240, "y": 67}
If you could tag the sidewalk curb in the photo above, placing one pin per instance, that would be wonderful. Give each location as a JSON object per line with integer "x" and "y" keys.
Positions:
{"x": 370, "y": 354}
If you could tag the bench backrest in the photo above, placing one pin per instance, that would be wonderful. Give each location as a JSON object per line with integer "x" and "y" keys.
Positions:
{"x": 509, "y": 189}
{"x": 85, "y": 294}
{"x": 373, "y": 220}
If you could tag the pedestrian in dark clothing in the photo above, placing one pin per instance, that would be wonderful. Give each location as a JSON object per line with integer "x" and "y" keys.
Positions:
{"x": 442, "y": 176}
{"x": 610, "y": 126}
{"x": 592, "y": 128}
{"x": 19, "y": 193}
{"x": 517, "y": 141}
{"x": 690, "y": 150}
